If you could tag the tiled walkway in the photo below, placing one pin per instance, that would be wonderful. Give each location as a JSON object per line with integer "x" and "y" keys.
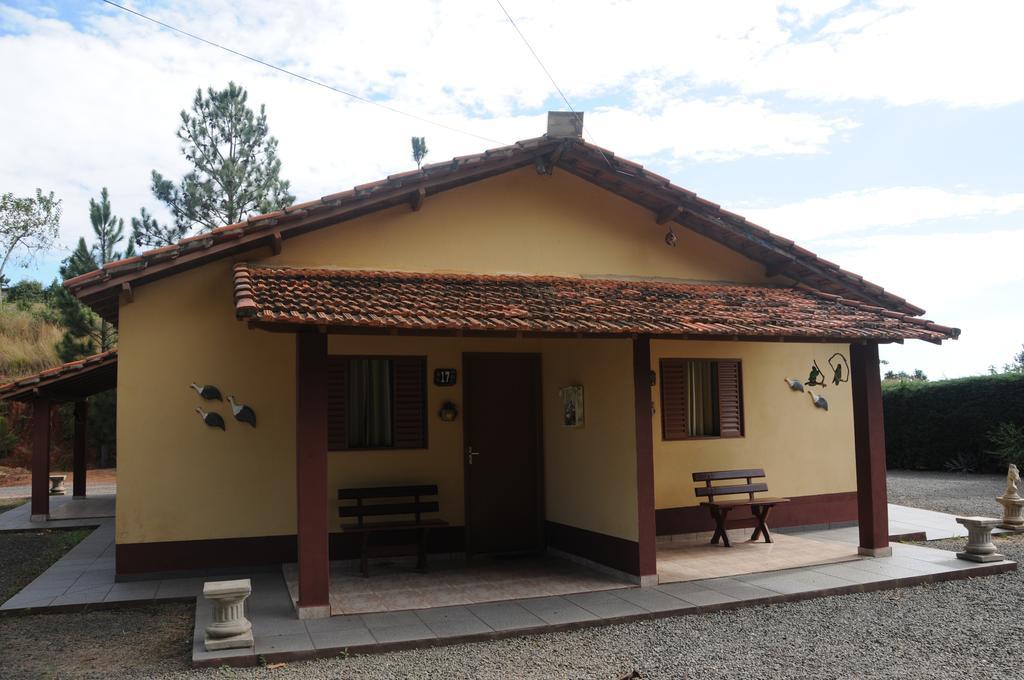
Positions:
{"x": 279, "y": 636}
{"x": 85, "y": 574}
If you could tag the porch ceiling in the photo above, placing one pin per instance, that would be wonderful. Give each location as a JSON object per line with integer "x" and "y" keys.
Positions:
{"x": 376, "y": 301}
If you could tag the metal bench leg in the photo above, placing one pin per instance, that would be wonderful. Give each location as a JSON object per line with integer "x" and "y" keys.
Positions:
{"x": 719, "y": 515}
{"x": 761, "y": 513}
{"x": 364, "y": 562}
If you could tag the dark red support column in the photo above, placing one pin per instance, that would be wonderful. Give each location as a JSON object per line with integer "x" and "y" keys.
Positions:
{"x": 311, "y": 474}
{"x": 40, "y": 459}
{"x": 644, "y": 460}
{"x": 78, "y": 458}
{"x": 869, "y": 442}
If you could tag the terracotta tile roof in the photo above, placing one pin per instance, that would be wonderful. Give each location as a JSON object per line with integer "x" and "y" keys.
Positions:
{"x": 76, "y": 378}
{"x": 561, "y": 305}
{"x": 100, "y": 289}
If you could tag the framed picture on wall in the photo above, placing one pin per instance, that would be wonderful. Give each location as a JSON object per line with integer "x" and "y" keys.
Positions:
{"x": 572, "y": 405}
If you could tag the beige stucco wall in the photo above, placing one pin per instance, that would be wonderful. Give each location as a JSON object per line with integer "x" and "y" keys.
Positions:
{"x": 180, "y": 480}
{"x": 184, "y": 481}
{"x": 803, "y": 450}
{"x": 521, "y": 222}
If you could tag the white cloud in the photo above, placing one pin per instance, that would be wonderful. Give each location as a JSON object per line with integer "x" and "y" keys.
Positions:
{"x": 968, "y": 280}
{"x": 99, "y": 106}
{"x": 880, "y": 208}
{"x": 723, "y": 128}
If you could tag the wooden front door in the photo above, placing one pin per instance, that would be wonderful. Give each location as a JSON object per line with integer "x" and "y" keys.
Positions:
{"x": 502, "y": 454}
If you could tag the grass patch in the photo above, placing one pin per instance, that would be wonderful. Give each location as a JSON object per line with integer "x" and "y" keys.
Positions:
{"x": 11, "y": 503}
{"x": 25, "y": 555}
{"x": 30, "y": 339}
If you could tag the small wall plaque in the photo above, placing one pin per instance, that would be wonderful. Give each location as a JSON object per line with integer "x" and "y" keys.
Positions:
{"x": 444, "y": 377}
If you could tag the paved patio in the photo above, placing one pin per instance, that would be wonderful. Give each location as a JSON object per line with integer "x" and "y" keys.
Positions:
{"x": 85, "y": 577}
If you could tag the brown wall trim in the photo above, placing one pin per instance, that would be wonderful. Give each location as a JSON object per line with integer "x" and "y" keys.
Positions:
{"x": 255, "y": 551}
{"x": 611, "y": 551}
{"x": 825, "y": 508}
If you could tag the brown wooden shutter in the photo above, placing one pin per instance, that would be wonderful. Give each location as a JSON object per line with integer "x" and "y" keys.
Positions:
{"x": 410, "y": 411}
{"x": 674, "y": 388}
{"x": 730, "y": 399}
{"x": 337, "y": 391}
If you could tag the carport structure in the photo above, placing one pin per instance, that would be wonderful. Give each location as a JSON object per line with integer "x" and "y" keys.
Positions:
{"x": 70, "y": 382}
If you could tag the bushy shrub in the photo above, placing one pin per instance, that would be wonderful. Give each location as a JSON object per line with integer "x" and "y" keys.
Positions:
{"x": 1008, "y": 444}
{"x": 948, "y": 424}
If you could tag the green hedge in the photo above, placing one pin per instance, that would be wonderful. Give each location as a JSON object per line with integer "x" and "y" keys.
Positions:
{"x": 946, "y": 424}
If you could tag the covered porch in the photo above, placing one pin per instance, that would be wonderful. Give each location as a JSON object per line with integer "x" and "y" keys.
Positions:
{"x": 72, "y": 382}
{"x": 333, "y": 313}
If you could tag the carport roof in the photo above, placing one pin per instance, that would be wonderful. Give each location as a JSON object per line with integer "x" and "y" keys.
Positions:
{"x": 68, "y": 382}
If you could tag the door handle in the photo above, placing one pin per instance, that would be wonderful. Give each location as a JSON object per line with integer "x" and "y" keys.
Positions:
{"x": 472, "y": 453}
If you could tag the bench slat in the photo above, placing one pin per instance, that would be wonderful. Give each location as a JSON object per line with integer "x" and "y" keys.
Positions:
{"x": 726, "y": 474}
{"x": 387, "y": 492}
{"x": 387, "y": 509}
{"x": 393, "y": 526}
{"x": 728, "y": 490}
{"x": 746, "y": 501}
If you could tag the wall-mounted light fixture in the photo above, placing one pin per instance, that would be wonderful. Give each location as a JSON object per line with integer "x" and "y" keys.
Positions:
{"x": 670, "y": 237}
{"x": 448, "y": 412}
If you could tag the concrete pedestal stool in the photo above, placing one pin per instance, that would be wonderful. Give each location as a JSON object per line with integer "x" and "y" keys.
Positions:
{"x": 229, "y": 628}
{"x": 980, "y": 547}
{"x": 57, "y": 485}
{"x": 1013, "y": 504}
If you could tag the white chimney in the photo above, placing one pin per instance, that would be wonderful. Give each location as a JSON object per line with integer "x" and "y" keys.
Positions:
{"x": 565, "y": 124}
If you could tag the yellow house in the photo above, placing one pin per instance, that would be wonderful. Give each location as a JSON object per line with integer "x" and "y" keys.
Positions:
{"x": 554, "y": 337}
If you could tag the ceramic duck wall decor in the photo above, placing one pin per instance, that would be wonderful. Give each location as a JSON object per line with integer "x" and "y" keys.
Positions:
{"x": 210, "y": 418}
{"x": 208, "y": 392}
{"x": 243, "y": 413}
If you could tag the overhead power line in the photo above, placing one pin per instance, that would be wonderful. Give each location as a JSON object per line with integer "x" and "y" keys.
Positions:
{"x": 311, "y": 81}
{"x": 552, "y": 79}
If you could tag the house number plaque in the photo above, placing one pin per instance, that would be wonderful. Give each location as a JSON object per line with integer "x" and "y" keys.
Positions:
{"x": 444, "y": 377}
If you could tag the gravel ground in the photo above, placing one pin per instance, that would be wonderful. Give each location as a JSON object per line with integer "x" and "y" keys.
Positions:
{"x": 142, "y": 641}
{"x": 944, "y": 630}
{"x": 924, "y": 632}
{"x": 957, "y": 494}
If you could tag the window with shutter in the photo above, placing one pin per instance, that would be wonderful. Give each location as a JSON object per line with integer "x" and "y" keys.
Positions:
{"x": 674, "y": 387}
{"x": 376, "y": 403}
{"x": 701, "y": 398}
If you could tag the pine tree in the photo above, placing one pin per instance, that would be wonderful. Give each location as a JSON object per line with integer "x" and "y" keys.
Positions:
{"x": 236, "y": 171}
{"x": 419, "y": 150}
{"x": 86, "y": 333}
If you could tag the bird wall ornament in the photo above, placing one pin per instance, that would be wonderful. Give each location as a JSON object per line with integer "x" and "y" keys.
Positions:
{"x": 818, "y": 400}
{"x": 794, "y": 384}
{"x": 815, "y": 377}
{"x": 837, "y": 362}
{"x": 243, "y": 413}
{"x": 208, "y": 392}
{"x": 211, "y": 418}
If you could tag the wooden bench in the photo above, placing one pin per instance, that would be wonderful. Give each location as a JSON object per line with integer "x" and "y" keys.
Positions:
{"x": 389, "y": 501}
{"x": 720, "y": 509}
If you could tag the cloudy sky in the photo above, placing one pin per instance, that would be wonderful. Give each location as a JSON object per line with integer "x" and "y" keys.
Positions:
{"x": 882, "y": 135}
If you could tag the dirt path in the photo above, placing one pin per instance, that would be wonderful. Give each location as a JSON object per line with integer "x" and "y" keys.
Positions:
{"x": 22, "y": 477}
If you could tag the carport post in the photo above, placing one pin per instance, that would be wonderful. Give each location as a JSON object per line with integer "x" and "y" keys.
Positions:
{"x": 40, "y": 459}
{"x": 869, "y": 447}
{"x": 81, "y": 416}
